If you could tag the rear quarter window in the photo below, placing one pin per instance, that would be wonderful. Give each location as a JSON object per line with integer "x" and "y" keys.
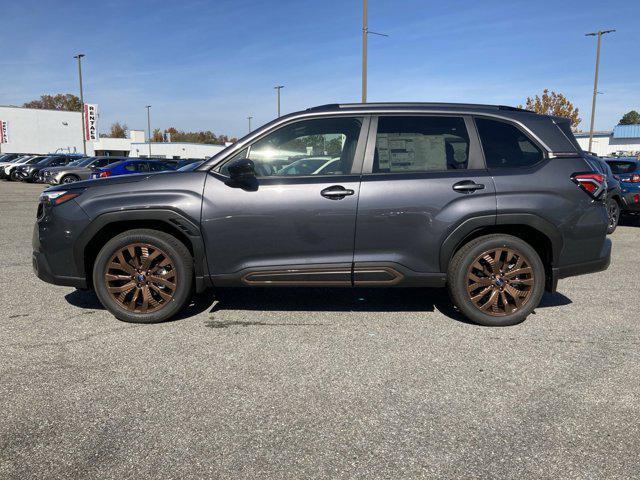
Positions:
{"x": 506, "y": 146}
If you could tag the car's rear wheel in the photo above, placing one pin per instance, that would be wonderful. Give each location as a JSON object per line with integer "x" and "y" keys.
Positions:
{"x": 69, "y": 179}
{"x": 496, "y": 280}
{"x": 143, "y": 276}
{"x": 613, "y": 210}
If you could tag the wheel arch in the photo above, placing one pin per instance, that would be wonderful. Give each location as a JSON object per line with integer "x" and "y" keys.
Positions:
{"x": 536, "y": 231}
{"x": 108, "y": 225}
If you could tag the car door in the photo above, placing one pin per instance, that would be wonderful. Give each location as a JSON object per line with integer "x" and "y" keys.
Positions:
{"x": 423, "y": 176}
{"x": 293, "y": 226}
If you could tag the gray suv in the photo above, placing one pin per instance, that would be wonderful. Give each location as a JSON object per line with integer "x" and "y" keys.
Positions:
{"x": 76, "y": 171}
{"x": 494, "y": 202}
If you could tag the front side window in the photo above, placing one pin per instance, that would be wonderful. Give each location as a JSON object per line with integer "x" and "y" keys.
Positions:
{"x": 307, "y": 148}
{"x": 420, "y": 144}
{"x": 505, "y": 146}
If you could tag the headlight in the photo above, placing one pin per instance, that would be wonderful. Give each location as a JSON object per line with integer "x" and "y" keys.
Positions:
{"x": 58, "y": 197}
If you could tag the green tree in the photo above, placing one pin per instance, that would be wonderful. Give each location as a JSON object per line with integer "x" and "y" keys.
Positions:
{"x": 61, "y": 101}
{"x": 630, "y": 118}
{"x": 552, "y": 103}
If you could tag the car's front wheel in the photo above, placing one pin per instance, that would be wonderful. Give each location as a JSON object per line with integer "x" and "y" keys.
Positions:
{"x": 496, "y": 280}
{"x": 143, "y": 276}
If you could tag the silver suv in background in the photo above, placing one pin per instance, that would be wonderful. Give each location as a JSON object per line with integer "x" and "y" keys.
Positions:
{"x": 76, "y": 171}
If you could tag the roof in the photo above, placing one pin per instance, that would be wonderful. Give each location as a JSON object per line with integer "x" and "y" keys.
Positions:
{"x": 626, "y": 131}
{"x": 413, "y": 105}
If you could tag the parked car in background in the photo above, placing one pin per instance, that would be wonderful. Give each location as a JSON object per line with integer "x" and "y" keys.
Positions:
{"x": 128, "y": 167}
{"x": 496, "y": 203}
{"x": 9, "y": 170}
{"x": 312, "y": 166}
{"x": 77, "y": 170}
{"x": 614, "y": 191}
{"x": 30, "y": 172}
{"x": 11, "y": 157}
{"x": 627, "y": 172}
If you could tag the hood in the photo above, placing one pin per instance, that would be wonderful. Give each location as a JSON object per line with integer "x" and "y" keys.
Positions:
{"x": 103, "y": 182}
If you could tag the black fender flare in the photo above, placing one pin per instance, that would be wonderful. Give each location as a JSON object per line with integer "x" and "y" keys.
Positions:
{"x": 470, "y": 225}
{"x": 173, "y": 218}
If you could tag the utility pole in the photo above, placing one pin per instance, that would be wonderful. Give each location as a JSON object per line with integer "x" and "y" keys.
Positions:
{"x": 278, "y": 88}
{"x": 365, "y": 36}
{"x": 84, "y": 138}
{"x": 148, "y": 107}
{"x": 249, "y": 118}
{"x": 598, "y": 34}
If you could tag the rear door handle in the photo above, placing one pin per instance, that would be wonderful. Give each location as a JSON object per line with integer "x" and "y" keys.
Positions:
{"x": 336, "y": 192}
{"x": 467, "y": 186}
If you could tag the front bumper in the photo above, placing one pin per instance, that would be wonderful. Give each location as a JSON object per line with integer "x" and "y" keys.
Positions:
{"x": 43, "y": 272}
{"x": 597, "y": 265}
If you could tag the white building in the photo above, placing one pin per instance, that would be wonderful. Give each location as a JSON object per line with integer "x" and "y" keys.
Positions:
{"x": 31, "y": 130}
{"x": 622, "y": 140}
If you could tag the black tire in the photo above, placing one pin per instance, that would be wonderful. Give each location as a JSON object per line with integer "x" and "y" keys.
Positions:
{"x": 12, "y": 177}
{"x": 458, "y": 280}
{"x": 182, "y": 263}
{"x": 69, "y": 179}
{"x": 613, "y": 211}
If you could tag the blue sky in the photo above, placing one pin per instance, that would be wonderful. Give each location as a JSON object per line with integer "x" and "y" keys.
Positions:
{"x": 207, "y": 65}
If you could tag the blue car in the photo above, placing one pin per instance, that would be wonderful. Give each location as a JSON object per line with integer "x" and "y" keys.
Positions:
{"x": 127, "y": 167}
{"x": 627, "y": 172}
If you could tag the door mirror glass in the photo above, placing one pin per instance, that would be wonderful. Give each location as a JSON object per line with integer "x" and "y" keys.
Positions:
{"x": 242, "y": 169}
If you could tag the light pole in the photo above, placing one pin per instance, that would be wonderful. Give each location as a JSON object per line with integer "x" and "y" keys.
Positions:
{"x": 84, "y": 138}
{"x": 249, "y": 118}
{"x": 278, "y": 88}
{"x": 148, "y": 107}
{"x": 365, "y": 35}
{"x": 598, "y": 34}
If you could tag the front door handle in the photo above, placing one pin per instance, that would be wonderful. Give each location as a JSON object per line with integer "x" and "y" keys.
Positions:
{"x": 336, "y": 192}
{"x": 467, "y": 186}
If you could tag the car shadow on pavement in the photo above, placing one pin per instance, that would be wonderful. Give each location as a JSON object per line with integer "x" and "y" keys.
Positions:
{"x": 318, "y": 299}
{"x": 629, "y": 221}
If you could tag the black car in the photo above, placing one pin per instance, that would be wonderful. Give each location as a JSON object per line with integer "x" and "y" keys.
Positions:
{"x": 496, "y": 203}
{"x": 29, "y": 173}
{"x": 614, "y": 192}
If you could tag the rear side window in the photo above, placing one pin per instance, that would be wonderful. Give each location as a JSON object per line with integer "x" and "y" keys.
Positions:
{"x": 505, "y": 146}
{"x": 420, "y": 144}
{"x": 131, "y": 167}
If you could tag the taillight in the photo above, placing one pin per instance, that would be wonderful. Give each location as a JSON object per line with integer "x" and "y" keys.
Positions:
{"x": 104, "y": 174}
{"x": 635, "y": 178}
{"x": 592, "y": 183}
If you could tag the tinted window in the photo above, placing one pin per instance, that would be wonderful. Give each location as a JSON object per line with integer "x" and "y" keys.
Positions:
{"x": 130, "y": 167}
{"x": 421, "y": 144}
{"x": 159, "y": 167}
{"x": 143, "y": 167}
{"x": 302, "y": 143}
{"x": 505, "y": 146}
{"x": 618, "y": 167}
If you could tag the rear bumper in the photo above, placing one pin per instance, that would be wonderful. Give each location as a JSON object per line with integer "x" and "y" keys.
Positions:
{"x": 597, "y": 265}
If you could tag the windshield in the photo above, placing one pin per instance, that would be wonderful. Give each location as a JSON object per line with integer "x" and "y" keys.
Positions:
{"x": 619, "y": 167}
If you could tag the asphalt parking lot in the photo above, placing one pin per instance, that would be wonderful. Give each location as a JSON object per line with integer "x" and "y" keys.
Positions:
{"x": 316, "y": 383}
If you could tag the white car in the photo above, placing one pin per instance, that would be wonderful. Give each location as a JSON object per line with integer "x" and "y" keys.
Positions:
{"x": 5, "y": 172}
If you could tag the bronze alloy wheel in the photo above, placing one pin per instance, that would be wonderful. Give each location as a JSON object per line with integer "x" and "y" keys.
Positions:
{"x": 141, "y": 278}
{"x": 500, "y": 281}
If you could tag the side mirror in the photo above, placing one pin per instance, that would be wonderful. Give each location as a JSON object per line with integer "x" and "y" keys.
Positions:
{"x": 242, "y": 169}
